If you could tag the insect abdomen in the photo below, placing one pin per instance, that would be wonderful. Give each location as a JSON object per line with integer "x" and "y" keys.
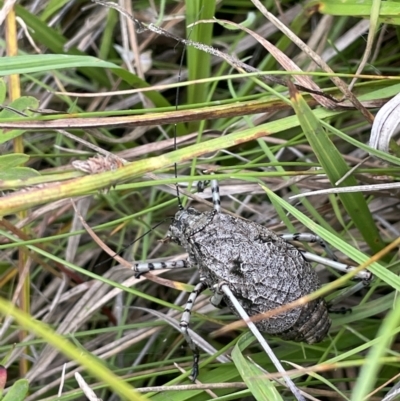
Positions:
{"x": 313, "y": 324}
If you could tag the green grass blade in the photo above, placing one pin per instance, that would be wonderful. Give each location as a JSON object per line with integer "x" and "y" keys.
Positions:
{"x": 45, "y": 62}
{"x": 24, "y": 104}
{"x": 83, "y": 358}
{"x": 260, "y": 387}
{"x": 335, "y": 168}
{"x": 52, "y": 39}
{"x": 199, "y": 62}
{"x": 388, "y": 13}
{"x": 369, "y": 371}
{"x": 18, "y": 391}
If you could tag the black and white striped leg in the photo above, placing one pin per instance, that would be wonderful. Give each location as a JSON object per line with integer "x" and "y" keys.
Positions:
{"x": 364, "y": 275}
{"x": 215, "y": 196}
{"x": 145, "y": 267}
{"x": 311, "y": 238}
{"x": 184, "y": 325}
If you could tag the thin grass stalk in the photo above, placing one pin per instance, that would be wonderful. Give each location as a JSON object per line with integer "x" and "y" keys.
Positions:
{"x": 14, "y": 92}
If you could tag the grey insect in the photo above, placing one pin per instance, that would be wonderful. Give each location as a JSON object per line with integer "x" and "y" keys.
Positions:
{"x": 262, "y": 270}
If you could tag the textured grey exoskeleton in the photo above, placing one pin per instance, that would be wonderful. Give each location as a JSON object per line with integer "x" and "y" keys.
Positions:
{"x": 262, "y": 270}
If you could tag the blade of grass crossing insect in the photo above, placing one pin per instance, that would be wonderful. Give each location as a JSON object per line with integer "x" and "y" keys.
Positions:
{"x": 377, "y": 269}
{"x": 261, "y": 388}
{"x": 369, "y": 371}
{"x": 335, "y": 168}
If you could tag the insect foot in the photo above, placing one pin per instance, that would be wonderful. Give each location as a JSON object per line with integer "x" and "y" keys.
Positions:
{"x": 262, "y": 270}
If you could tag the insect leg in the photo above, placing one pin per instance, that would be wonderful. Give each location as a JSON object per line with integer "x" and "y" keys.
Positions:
{"x": 215, "y": 195}
{"x": 364, "y": 274}
{"x": 184, "y": 324}
{"x": 223, "y": 288}
{"x": 216, "y": 299}
{"x": 201, "y": 185}
{"x": 308, "y": 237}
{"x": 144, "y": 267}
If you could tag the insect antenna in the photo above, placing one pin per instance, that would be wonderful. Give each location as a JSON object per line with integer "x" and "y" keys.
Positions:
{"x": 133, "y": 242}
{"x": 175, "y": 128}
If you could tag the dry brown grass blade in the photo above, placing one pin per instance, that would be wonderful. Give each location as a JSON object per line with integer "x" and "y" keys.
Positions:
{"x": 179, "y": 116}
{"x": 287, "y": 64}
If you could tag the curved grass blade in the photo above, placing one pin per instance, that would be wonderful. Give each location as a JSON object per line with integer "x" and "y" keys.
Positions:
{"x": 55, "y": 42}
{"x": 369, "y": 371}
{"x": 21, "y": 105}
{"x": 85, "y": 359}
{"x": 260, "y": 387}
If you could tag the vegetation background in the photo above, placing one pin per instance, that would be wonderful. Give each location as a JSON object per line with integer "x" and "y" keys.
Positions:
{"x": 89, "y": 113}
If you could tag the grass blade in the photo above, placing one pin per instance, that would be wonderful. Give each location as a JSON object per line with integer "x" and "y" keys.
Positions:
{"x": 335, "y": 168}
